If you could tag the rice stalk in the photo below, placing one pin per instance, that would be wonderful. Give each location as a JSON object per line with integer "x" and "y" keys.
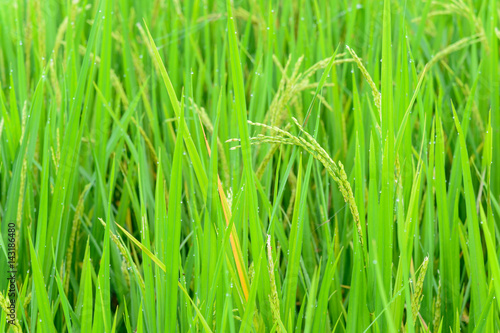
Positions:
{"x": 310, "y": 145}
{"x": 437, "y": 309}
{"x": 4, "y": 304}
{"x": 377, "y": 98}
{"x": 74, "y": 231}
{"x": 417, "y": 292}
{"x": 273, "y": 298}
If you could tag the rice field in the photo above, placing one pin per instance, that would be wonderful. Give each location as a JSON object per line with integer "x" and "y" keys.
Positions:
{"x": 249, "y": 166}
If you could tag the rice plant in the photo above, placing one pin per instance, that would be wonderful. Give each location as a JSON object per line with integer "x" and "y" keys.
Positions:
{"x": 249, "y": 166}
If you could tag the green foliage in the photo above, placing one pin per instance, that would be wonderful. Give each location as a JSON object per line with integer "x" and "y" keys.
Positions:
{"x": 251, "y": 166}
